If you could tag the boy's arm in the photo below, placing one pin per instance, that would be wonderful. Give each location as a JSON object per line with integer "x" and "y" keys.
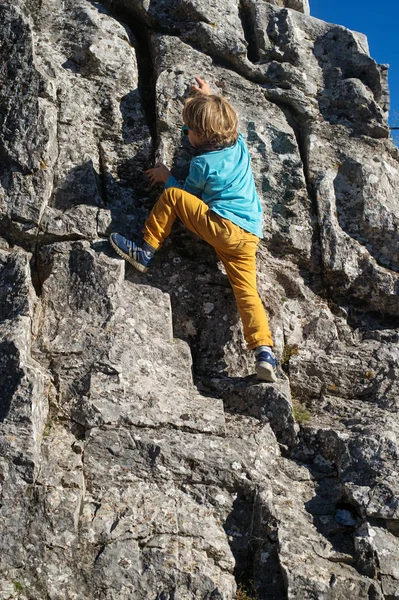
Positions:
{"x": 195, "y": 181}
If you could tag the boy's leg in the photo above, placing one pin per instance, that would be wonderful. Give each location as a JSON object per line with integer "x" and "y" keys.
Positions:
{"x": 173, "y": 202}
{"x": 240, "y": 267}
{"x": 235, "y": 247}
{"x": 193, "y": 212}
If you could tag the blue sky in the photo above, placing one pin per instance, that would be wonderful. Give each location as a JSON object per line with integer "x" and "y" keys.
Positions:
{"x": 380, "y": 22}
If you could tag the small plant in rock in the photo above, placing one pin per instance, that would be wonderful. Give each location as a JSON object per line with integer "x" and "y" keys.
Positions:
{"x": 244, "y": 593}
{"x": 289, "y": 351}
{"x": 18, "y": 586}
{"x": 47, "y": 428}
{"x": 300, "y": 412}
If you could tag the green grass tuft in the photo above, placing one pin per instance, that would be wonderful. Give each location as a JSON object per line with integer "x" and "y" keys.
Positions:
{"x": 18, "y": 586}
{"x": 289, "y": 351}
{"x": 244, "y": 594}
{"x": 47, "y": 428}
{"x": 300, "y": 412}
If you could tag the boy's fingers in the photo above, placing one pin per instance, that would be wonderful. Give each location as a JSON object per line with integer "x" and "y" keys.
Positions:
{"x": 203, "y": 86}
{"x": 199, "y": 81}
{"x": 158, "y": 164}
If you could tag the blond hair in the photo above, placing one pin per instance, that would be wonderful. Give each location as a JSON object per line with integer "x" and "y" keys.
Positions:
{"x": 213, "y": 117}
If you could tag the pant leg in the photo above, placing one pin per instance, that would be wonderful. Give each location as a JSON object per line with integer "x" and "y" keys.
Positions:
{"x": 241, "y": 270}
{"x": 175, "y": 202}
{"x": 235, "y": 247}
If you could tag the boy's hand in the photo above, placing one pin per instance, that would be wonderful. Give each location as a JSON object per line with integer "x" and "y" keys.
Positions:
{"x": 203, "y": 87}
{"x": 159, "y": 174}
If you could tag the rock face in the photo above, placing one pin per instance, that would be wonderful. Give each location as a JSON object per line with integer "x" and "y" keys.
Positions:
{"x": 140, "y": 459}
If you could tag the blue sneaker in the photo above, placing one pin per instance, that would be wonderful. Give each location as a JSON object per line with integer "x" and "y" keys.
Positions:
{"x": 140, "y": 257}
{"x": 266, "y": 364}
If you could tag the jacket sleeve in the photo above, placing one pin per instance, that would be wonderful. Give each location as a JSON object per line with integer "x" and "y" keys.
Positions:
{"x": 195, "y": 181}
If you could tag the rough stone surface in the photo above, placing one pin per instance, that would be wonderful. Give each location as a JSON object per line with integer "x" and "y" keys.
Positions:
{"x": 139, "y": 456}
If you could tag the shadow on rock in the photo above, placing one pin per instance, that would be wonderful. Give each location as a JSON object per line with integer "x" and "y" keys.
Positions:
{"x": 10, "y": 376}
{"x": 334, "y": 518}
{"x": 81, "y": 185}
{"x": 252, "y": 535}
{"x": 270, "y": 403}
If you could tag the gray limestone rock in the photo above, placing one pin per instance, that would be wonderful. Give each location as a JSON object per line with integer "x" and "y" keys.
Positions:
{"x": 139, "y": 456}
{"x": 332, "y": 176}
{"x": 109, "y": 340}
{"x": 379, "y": 554}
{"x": 87, "y": 120}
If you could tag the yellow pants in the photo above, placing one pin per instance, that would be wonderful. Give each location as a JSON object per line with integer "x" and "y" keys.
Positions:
{"x": 235, "y": 247}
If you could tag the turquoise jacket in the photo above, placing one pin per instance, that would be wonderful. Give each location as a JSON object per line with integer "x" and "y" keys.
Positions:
{"x": 223, "y": 180}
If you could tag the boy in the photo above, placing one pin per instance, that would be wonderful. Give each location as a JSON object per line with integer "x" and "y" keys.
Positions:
{"x": 219, "y": 203}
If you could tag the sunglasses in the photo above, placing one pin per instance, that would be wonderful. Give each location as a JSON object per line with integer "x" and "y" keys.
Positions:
{"x": 184, "y": 130}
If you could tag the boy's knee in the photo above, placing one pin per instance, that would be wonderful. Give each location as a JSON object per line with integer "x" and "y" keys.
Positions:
{"x": 171, "y": 194}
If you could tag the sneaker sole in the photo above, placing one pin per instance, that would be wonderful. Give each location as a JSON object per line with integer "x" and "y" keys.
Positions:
{"x": 129, "y": 259}
{"x": 265, "y": 372}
